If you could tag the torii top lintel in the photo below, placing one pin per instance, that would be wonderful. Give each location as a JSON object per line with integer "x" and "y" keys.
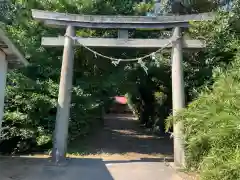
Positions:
{"x": 118, "y": 22}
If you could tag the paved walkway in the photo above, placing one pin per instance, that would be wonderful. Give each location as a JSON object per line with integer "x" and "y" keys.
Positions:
{"x": 120, "y": 151}
{"x": 84, "y": 169}
{"x": 122, "y": 135}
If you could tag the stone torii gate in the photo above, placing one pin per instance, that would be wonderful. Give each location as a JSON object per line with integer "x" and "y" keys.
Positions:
{"x": 123, "y": 24}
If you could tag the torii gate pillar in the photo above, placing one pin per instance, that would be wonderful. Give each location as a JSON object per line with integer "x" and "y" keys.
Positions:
{"x": 178, "y": 97}
{"x": 64, "y": 98}
{"x": 3, "y": 76}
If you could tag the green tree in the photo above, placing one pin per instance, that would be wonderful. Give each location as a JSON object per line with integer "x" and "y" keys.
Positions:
{"x": 32, "y": 92}
{"x": 210, "y": 122}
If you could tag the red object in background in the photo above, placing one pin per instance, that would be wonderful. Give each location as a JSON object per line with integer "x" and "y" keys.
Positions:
{"x": 121, "y": 99}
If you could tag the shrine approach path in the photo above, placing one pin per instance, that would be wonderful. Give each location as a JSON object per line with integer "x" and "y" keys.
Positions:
{"x": 121, "y": 150}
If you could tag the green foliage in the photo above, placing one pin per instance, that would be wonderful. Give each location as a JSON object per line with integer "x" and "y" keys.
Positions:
{"x": 212, "y": 128}
{"x": 211, "y": 122}
{"x": 32, "y": 92}
{"x": 197, "y": 6}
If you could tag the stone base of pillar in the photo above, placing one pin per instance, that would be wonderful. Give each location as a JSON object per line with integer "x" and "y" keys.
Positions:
{"x": 62, "y": 162}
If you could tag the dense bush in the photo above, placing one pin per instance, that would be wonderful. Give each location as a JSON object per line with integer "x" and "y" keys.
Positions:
{"x": 31, "y": 96}
{"x": 211, "y": 122}
{"x": 32, "y": 92}
{"x": 212, "y": 128}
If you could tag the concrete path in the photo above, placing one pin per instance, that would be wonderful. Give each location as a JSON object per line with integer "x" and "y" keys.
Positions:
{"x": 119, "y": 151}
{"x": 20, "y": 168}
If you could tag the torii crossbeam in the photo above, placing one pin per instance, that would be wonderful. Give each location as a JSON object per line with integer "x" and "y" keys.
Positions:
{"x": 122, "y": 23}
{"x": 117, "y": 22}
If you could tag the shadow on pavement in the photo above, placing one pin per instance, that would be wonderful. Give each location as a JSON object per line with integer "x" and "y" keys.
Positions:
{"x": 121, "y": 135}
{"x": 27, "y": 168}
{"x": 143, "y": 160}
